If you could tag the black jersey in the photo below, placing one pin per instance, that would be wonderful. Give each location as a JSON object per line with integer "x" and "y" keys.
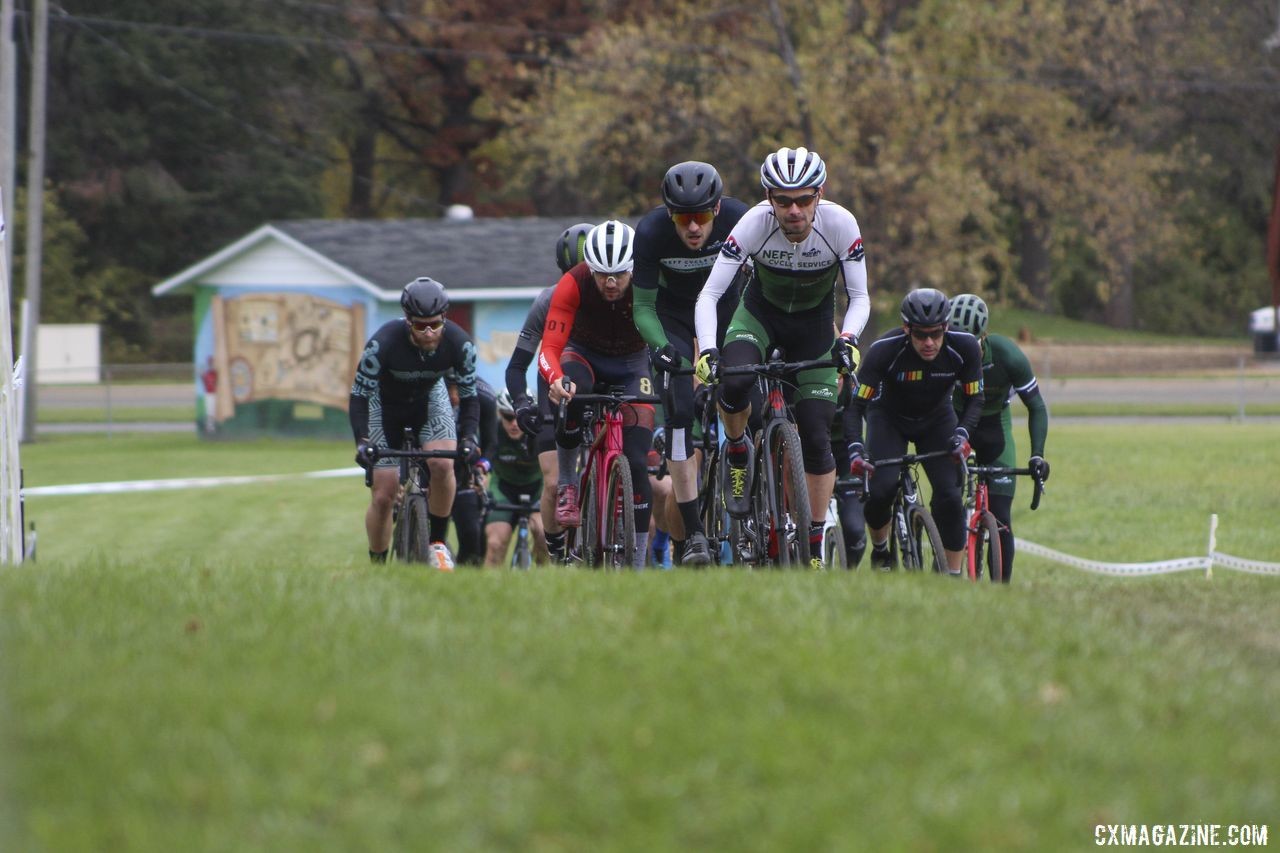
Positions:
{"x": 488, "y": 406}
{"x": 894, "y": 378}
{"x": 665, "y": 263}
{"x": 393, "y": 372}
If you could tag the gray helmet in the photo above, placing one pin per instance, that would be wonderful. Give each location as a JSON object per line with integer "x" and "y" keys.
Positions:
{"x": 506, "y": 405}
{"x": 793, "y": 169}
{"x": 925, "y": 307}
{"x": 424, "y": 297}
{"x": 691, "y": 186}
{"x": 969, "y": 314}
{"x": 569, "y": 246}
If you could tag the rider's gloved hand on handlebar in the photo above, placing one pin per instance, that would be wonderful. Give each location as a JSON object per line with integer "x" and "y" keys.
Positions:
{"x": 859, "y": 464}
{"x": 959, "y": 446}
{"x": 845, "y": 352}
{"x": 1039, "y": 468}
{"x": 527, "y": 415}
{"x": 469, "y": 449}
{"x": 364, "y": 454}
{"x": 708, "y": 366}
{"x": 665, "y": 359}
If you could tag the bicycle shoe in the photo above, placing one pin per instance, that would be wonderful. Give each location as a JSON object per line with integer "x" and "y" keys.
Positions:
{"x": 817, "y": 564}
{"x": 696, "y": 550}
{"x": 735, "y": 477}
{"x": 882, "y": 558}
{"x": 567, "y": 513}
{"x": 438, "y": 555}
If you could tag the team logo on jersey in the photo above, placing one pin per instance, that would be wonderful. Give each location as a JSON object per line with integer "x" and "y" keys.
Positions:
{"x": 865, "y": 391}
{"x": 972, "y": 388}
{"x": 911, "y": 376}
{"x": 731, "y": 249}
{"x": 809, "y": 253}
{"x": 855, "y": 251}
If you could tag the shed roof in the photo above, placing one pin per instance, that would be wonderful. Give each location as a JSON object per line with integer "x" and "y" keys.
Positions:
{"x": 488, "y": 256}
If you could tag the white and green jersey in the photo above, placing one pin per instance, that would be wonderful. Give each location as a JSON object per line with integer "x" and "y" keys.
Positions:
{"x": 792, "y": 277}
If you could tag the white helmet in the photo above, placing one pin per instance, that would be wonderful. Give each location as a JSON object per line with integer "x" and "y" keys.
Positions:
{"x": 793, "y": 169}
{"x": 505, "y": 404}
{"x": 608, "y": 247}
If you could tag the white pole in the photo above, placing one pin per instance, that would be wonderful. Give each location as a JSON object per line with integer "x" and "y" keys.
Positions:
{"x": 1213, "y": 544}
{"x": 10, "y": 463}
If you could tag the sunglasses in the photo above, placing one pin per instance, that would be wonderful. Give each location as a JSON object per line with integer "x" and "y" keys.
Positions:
{"x": 928, "y": 334}
{"x": 785, "y": 201}
{"x": 427, "y": 325}
{"x": 684, "y": 220}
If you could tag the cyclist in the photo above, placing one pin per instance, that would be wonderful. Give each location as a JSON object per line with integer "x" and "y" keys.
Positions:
{"x": 904, "y": 391}
{"x": 399, "y": 384}
{"x": 515, "y": 473}
{"x": 532, "y": 413}
{"x": 591, "y": 337}
{"x": 799, "y": 245}
{"x": 676, "y": 246}
{"x": 1005, "y": 371}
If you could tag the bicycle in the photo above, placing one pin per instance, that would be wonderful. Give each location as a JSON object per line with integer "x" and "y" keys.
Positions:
{"x": 982, "y": 528}
{"x": 607, "y": 534}
{"x": 913, "y": 535}
{"x": 776, "y": 530}
{"x": 522, "y": 554}
{"x": 410, "y": 531}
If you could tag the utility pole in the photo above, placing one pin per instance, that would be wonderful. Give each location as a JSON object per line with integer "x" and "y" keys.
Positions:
{"x": 8, "y": 122}
{"x": 35, "y": 207}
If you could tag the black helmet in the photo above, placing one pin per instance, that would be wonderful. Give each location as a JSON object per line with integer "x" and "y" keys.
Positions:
{"x": 424, "y": 297}
{"x": 569, "y": 246}
{"x": 926, "y": 307}
{"x": 691, "y": 186}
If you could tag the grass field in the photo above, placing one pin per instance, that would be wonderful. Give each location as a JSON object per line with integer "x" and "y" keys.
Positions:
{"x": 220, "y": 669}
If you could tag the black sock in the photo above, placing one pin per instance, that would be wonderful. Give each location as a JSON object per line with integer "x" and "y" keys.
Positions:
{"x": 689, "y": 515}
{"x": 377, "y": 556}
{"x": 815, "y": 538}
{"x": 555, "y": 543}
{"x": 437, "y": 526}
{"x": 677, "y": 551}
{"x": 880, "y": 547}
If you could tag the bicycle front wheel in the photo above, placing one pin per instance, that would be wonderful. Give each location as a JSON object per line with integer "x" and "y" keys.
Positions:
{"x": 410, "y": 535}
{"x": 587, "y": 534}
{"x": 520, "y": 557}
{"x": 833, "y": 548}
{"x": 618, "y": 518}
{"x": 788, "y": 498}
{"x": 983, "y": 544}
{"x": 925, "y": 543}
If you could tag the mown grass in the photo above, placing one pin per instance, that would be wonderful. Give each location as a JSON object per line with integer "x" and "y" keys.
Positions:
{"x": 221, "y": 670}
{"x": 184, "y": 413}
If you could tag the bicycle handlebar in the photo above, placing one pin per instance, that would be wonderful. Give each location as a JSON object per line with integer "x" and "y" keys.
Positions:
{"x": 777, "y": 369}
{"x": 996, "y": 471}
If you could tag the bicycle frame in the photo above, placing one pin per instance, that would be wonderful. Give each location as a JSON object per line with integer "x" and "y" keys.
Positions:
{"x": 522, "y": 555}
{"x": 980, "y": 519}
{"x": 778, "y": 528}
{"x": 603, "y": 419}
{"x": 414, "y": 492}
{"x": 910, "y": 521}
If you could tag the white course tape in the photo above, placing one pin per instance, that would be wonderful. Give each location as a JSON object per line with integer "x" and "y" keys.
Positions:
{"x": 1160, "y": 567}
{"x": 1239, "y": 564}
{"x": 183, "y": 483}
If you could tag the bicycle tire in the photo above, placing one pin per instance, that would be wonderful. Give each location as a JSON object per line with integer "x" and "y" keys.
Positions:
{"x": 411, "y": 533}
{"x": 521, "y": 559}
{"x": 983, "y": 545}
{"x": 711, "y": 507}
{"x": 587, "y": 533}
{"x": 788, "y": 500}
{"x": 833, "y": 547}
{"x": 618, "y": 521}
{"x": 926, "y": 542}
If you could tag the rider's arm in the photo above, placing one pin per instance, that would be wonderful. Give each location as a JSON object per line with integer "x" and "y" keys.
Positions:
{"x": 749, "y": 231}
{"x": 646, "y": 277}
{"x": 1018, "y": 366}
{"x": 564, "y": 305}
{"x": 464, "y": 367}
{"x": 969, "y": 380}
{"x": 365, "y": 389}
{"x": 853, "y": 268}
{"x": 516, "y": 375}
{"x": 866, "y": 385}
{"x": 645, "y": 308}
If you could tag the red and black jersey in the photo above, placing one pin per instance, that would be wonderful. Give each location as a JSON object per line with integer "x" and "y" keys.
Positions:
{"x": 580, "y": 315}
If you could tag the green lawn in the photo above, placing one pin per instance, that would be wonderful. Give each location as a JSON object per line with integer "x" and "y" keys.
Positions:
{"x": 220, "y": 669}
